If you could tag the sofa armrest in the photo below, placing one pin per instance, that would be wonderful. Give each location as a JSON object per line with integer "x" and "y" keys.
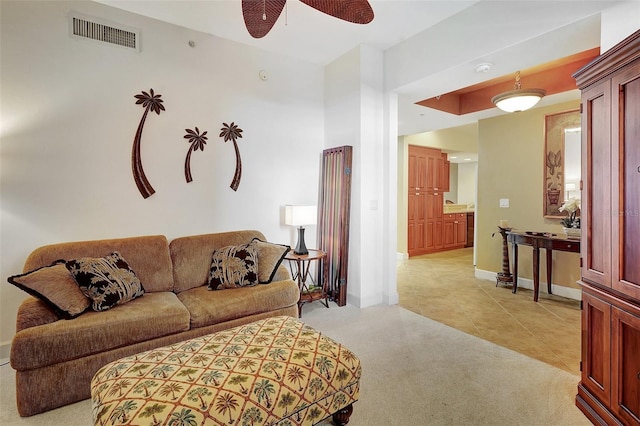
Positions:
{"x": 33, "y": 312}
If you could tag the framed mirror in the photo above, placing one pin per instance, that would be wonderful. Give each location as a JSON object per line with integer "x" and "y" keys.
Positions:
{"x": 562, "y": 171}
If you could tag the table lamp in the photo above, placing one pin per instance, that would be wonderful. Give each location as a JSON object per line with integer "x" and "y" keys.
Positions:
{"x": 297, "y": 215}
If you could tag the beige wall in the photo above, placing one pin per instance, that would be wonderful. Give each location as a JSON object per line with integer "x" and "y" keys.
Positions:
{"x": 461, "y": 138}
{"x": 510, "y": 165}
{"x": 467, "y": 182}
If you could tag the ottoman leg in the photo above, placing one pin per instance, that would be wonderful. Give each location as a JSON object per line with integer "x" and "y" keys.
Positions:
{"x": 341, "y": 417}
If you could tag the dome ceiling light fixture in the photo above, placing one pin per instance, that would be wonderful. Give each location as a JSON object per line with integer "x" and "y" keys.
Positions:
{"x": 518, "y": 99}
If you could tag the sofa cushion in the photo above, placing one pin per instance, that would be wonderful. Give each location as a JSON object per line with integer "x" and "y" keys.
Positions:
{"x": 145, "y": 318}
{"x": 107, "y": 281}
{"x": 191, "y": 256}
{"x": 270, "y": 256}
{"x": 147, "y": 255}
{"x": 212, "y": 307}
{"x": 55, "y": 286}
{"x": 233, "y": 266}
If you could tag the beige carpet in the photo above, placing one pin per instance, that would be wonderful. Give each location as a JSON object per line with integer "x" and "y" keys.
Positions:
{"x": 415, "y": 372}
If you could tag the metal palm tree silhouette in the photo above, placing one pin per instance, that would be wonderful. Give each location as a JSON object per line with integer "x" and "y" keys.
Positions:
{"x": 197, "y": 141}
{"x": 233, "y": 132}
{"x": 150, "y": 101}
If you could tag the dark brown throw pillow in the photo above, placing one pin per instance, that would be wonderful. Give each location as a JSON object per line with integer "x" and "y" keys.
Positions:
{"x": 107, "y": 281}
{"x": 233, "y": 266}
{"x": 55, "y": 286}
{"x": 270, "y": 257}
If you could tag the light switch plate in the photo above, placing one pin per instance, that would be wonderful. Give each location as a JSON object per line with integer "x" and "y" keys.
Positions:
{"x": 504, "y": 203}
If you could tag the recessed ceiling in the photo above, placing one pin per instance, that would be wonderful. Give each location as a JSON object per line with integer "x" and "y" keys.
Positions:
{"x": 554, "y": 77}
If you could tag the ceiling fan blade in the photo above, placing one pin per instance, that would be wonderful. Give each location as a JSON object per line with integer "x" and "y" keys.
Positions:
{"x": 261, "y": 15}
{"x": 356, "y": 11}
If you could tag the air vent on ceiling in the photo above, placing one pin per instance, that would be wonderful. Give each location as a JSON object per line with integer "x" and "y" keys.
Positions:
{"x": 93, "y": 29}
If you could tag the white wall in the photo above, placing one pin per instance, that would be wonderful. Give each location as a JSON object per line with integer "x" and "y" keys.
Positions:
{"x": 69, "y": 118}
{"x": 467, "y": 182}
{"x": 618, "y": 22}
{"x": 354, "y": 116}
{"x": 453, "y": 184}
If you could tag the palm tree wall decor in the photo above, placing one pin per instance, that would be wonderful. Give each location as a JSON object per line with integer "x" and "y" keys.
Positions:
{"x": 197, "y": 141}
{"x": 150, "y": 101}
{"x": 233, "y": 132}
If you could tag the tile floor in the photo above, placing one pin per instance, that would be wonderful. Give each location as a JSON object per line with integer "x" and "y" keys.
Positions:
{"x": 442, "y": 286}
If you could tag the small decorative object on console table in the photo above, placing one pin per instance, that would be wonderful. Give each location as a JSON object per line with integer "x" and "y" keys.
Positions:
{"x": 309, "y": 289}
{"x": 571, "y": 223}
{"x": 505, "y": 276}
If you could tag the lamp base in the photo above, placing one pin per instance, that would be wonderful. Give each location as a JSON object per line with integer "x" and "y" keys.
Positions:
{"x": 301, "y": 248}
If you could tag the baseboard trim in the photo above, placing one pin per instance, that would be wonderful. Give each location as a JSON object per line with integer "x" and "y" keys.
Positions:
{"x": 558, "y": 290}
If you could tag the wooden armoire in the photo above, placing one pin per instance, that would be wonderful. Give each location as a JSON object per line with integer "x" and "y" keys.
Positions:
{"x": 609, "y": 390}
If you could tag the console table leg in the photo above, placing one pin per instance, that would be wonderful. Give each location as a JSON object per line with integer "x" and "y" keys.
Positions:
{"x": 549, "y": 269}
{"x": 536, "y": 273}
{"x": 515, "y": 267}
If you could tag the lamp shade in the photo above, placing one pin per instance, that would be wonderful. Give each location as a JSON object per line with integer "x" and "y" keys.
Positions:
{"x": 298, "y": 215}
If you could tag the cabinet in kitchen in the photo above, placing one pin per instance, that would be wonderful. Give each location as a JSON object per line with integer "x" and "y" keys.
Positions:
{"x": 428, "y": 178}
{"x": 455, "y": 230}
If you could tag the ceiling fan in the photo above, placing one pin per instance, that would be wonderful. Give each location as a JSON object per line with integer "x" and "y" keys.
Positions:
{"x": 261, "y": 15}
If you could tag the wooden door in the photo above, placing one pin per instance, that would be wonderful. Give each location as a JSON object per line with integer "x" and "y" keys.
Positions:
{"x": 416, "y": 238}
{"x": 596, "y": 347}
{"x": 433, "y": 221}
{"x": 445, "y": 171}
{"x": 433, "y": 177}
{"x": 625, "y": 366}
{"x": 626, "y": 182}
{"x": 461, "y": 229}
{"x": 417, "y": 169}
{"x": 596, "y": 193}
{"x": 449, "y": 231}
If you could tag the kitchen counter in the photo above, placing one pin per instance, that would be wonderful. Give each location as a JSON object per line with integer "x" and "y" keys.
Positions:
{"x": 457, "y": 208}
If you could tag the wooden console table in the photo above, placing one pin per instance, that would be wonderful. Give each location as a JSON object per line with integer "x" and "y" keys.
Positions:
{"x": 547, "y": 241}
{"x": 309, "y": 291}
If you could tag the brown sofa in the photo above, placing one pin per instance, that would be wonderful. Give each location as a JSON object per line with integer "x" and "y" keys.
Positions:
{"x": 56, "y": 358}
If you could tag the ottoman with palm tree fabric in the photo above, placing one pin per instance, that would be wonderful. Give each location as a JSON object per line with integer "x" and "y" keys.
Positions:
{"x": 276, "y": 371}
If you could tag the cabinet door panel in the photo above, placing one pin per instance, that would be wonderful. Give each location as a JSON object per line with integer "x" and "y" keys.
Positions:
{"x": 596, "y": 361}
{"x": 432, "y": 173}
{"x": 461, "y": 230}
{"x": 445, "y": 174}
{"x": 416, "y": 223}
{"x": 438, "y": 234}
{"x": 449, "y": 233}
{"x": 596, "y": 171}
{"x": 626, "y": 366}
{"x": 626, "y": 182}
{"x": 417, "y": 168}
